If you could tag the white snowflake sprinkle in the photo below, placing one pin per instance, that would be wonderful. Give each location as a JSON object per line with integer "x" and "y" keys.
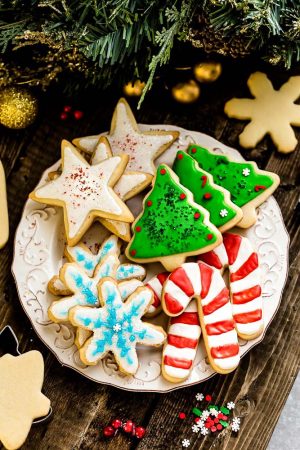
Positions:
{"x": 235, "y": 427}
{"x": 200, "y": 423}
{"x": 186, "y": 443}
{"x": 199, "y": 397}
{"x": 195, "y": 428}
{"x": 246, "y": 172}
{"x": 214, "y": 412}
{"x": 236, "y": 420}
{"x": 117, "y": 327}
{"x": 204, "y": 431}
{"x": 223, "y": 212}
{"x": 230, "y": 405}
{"x": 205, "y": 414}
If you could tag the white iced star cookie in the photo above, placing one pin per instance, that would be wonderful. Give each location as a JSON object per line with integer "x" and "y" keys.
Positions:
{"x": 85, "y": 192}
{"x": 270, "y": 112}
{"x": 143, "y": 148}
{"x": 117, "y": 327}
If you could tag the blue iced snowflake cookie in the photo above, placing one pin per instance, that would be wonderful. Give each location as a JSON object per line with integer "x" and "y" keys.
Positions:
{"x": 117, "y": 327}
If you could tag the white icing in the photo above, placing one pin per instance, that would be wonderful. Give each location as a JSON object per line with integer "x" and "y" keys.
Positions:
{"x": 227, "y": 363}
{"x": 249, "y": 328}
{"x": 181, "y": 353}
{"x": 60, "y": 308}
{"x": 101, "y": 152}
{"x": 83, "y": 189}
{"x": 220, "y": 251}
{"x": 219, "y": 340}
{"x": 223, "y": 313}
{"x": 176, "y": 372}
{"x": 216, "y": 286}
{"x": 185, "y": 330}
{"x": 247, "y": 307}
{"x": 193, "y": 273}
{"x": 252, "y": 279}
{"x": 128, "y": 287}
{"x": 245, "y": 250}
{"x": 129, "y": 182}
{"x": 172, "y": 289}
{"x": 155, "y": 284}
{"x": 88, "y": 143}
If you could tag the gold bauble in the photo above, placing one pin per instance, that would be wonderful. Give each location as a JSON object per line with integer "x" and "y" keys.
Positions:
{"x": 187, "y": 92}
{"x": 134, "y": 89}
{"x": 18, "y": 107}
{"x": 207, "y": 72}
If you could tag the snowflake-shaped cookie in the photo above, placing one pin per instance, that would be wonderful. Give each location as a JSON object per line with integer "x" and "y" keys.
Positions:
{"x": 270, "y": 112}
{"x": 102, "y": 322}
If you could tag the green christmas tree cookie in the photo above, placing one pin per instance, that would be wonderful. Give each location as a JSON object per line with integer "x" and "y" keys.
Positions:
{"x": 172, "y": 226}
{"x": 222, "y": 212}
{"x": 248, "y": 185}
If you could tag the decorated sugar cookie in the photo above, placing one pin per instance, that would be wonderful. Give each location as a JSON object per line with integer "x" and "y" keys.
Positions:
{"x": 180, "y": 350}
{"x": 237, "y": 253}
{"x": 117, "y": 326}
{"x": 141, "y": 147}
{"x": 249, "y": 187}
{"x": 4, "y": 227}
{"x": 205, "y": 283}
{"x": 172, "y": 226}
{"x": 88, "y": 261}
{"x": 222, "y": 212}
{"x": 21, "y": 399}
{"x": 270, "y": 112}
{"x": 85, "y": 192}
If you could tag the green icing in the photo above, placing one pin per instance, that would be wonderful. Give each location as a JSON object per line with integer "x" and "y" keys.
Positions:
{"x": 168, "y": 225}
{"x": 229, "y": 175}
{"x": 205, "y": 194}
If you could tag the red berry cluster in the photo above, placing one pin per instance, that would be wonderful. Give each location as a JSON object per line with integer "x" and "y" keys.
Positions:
{"x": 67, "y": 110}
{"x": 127, "y": 426}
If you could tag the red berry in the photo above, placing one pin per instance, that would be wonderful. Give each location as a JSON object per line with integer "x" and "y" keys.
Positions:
{"x": 180, "y": 156}
{"x": 140, "y": 432}
{"x": 209, "y": 237}
{"x": 197, "y": 420}
{"x": 133, "y": 252}
{"x": 117, "y": 423}
{"x": 149, "y": 203}
{"x": 128, "y": 426}
{"x": 224, "y": 417}
{"x": 213, "y": 429}
{"x": 220, "y": 416}
{"x": 78, "y": 114}
{"x": 67, "y": 109}
{"x": 219, "y": 427}
{"x": 196, "y": 215}
{"x": 63, "y": 116}
{"x": 182, "y": 415}
{"x": 138, "y": 229}
{"x": 207, "y": 196}
{"x": 182, "y": 196}
{"x": 194, "y": 150}
{"x": 109, "y": 431}
{"x": 207, "y": 424}
{"x": 216, "y": 420}
{"x": 208, "y": 397}
{"x": 163, "y": 171}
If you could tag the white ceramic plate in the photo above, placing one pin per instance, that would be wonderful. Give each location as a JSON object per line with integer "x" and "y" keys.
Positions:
{"x": 39, "y": 244}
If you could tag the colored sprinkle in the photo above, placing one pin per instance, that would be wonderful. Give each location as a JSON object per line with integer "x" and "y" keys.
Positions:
{"x": 133, "y": 252}
{"x": 204, "y": 180}
{"x": 219, "y": 427}
{"x": 224, "y": 410}
{"x": 197, "y": 215}
{"x": 208, "y": 397}
{"x": 209, "y": 237}
{"x": 194, "y": 150}
{"x": 207, "y": 196}
{"x": 213, "y": 429}
{"x": 259, "y": 188}
{"x": 138, "y": 229}
{"x": 180, "y": 156}
{"x": 182, "y": 196}
{"x": 149, "y": 203}
{"x": 182, "y": 415}
{"x": 197, "y": 412}
{"x": 163, "y": 171}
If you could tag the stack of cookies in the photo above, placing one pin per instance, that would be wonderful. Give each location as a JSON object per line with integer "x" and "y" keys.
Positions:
{"x": 186, "y": 212}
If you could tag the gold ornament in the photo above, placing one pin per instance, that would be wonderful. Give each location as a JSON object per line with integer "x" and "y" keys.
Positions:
{"x": 187, "y": 92}
{"x": 207, "y": 72}
{"x": 18, "y": 108}
{"x": 134, "y": 89}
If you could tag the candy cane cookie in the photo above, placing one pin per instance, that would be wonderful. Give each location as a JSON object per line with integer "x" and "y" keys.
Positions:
{"x": 156, "y": 285}
{"x": 205, "y": 283}
{"x": 182, "y": 342}
{"x": 237, "y": 253}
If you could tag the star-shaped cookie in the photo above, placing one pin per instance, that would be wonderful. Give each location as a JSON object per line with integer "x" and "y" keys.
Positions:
{"x": 21, "y": 400}
{"x": 270, "y": 112}
{"x": 143, "y": 148}
{"x": 85, "y": 192}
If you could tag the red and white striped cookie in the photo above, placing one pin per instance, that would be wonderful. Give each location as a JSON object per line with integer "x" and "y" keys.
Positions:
{"x": 237, "y": 253}
{"x": 205, "y": 283}
{"x": 182, "y": 342}
{"x": 156, "y": 284}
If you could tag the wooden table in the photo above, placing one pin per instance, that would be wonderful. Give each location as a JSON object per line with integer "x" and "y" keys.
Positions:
{"x": 262, "y": 382}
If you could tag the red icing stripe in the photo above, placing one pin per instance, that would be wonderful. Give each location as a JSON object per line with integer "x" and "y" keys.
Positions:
{"x": 225, "y": 351}
{"x": 206, "y": 276}
{"x": 173, "y": 305}
{"x": 212, "y": 259}
{"x": 182, "y": 342}
{"x": 246, "y": 268}
{"x": 177, "y": 362}
{"x": 219, "y": 327}
{"x": 180, "y": 278}
{"x": 162, "y": 277}
{"x": 247, "y": 295}
{"x": 248, "y": 317}
{"x": 232, "y": 244}
{"x": 220, "y": 300}
{"x": 189, "y": 318}
{"x": 156, "y": 299}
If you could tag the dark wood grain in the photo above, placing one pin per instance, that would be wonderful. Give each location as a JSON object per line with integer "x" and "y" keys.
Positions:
{"x": 264, "y": 378}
